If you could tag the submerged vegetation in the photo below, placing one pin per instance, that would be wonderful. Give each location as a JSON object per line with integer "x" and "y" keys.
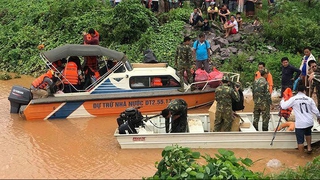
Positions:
{"x": 132, "y": 28}
{"x": 182, "y": 163}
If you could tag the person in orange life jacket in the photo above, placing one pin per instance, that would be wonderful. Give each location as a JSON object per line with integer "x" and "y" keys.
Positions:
{"x": 72, "y": 74}
{"x": 261, "y": 66}
{"x": 92, "y": 37}
{"x": 91, "y": 62}
{"x": 41, "y": 86}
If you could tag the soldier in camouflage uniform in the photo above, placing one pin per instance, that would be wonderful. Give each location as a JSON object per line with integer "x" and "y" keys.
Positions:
{"x": 224, "y": 95}
{"x": 177, "y": 111}
{"x": 314, "y": 78}
{"x": 262, "y": 100}
{"x": 183, "y": 62}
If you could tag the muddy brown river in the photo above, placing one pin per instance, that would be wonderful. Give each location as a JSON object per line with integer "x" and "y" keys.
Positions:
{"x": 86, "y": 148}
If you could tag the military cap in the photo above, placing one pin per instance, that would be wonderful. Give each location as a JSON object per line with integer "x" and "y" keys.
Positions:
{"x": 225, "y": 78}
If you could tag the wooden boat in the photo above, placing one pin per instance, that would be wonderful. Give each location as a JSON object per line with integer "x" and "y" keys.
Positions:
{"x": 200, "y": 137}
{"x": 148, "y": 86}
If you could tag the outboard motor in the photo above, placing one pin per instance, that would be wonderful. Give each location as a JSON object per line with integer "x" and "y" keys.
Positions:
{"x": 129, "y": 120}
{"x": 19, "y": 96}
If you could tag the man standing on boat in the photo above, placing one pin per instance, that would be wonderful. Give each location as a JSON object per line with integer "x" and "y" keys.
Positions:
{"x": 91, "y": 68}
{"x": 224, "y": 96}
{"x": 261, "y": 66}
{"x": 262, "y": 100}
{"x": 176, "y": 111}
{"x": 304, "y": 107}
{"x": 201, "y": 52}
{"x": 183, "y": 62}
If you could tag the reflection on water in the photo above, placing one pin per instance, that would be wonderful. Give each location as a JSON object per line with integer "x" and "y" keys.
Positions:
{"x": 85, "y": 148}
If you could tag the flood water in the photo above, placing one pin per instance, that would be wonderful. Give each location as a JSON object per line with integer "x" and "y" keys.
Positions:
{"x": 86, "y": 148}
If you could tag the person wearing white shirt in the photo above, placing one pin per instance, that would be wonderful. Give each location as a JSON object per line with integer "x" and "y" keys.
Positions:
{"x": 303, "y": 107}
{"x": 231, "y": 26}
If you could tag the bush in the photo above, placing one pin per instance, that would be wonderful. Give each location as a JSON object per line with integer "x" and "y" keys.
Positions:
{"x": 162, "y": 41}
{"x": 180, "y": 163}
{"x": 128, "y": 21}
{"x": 294, "y": 26}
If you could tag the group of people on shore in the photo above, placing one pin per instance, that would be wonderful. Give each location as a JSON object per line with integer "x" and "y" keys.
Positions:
{"x": 231, "y": 23}
{"x": 67, "y": 74}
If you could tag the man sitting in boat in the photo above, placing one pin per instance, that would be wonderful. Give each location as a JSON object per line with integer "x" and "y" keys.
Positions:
{"x": 43, "y": 85}
{"x": 224, "y": 95}
{"x": 176, "y": 111}
{"x": 73, "y": 75}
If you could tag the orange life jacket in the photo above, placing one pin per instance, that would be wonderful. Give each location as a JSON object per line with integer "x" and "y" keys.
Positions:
{"x": 156, "y": 82}
{"x": 39, "y": 82}
{"x": 71, "y": 73}
{"x": 92, "y": 62}
{"x": 287, "y": 94}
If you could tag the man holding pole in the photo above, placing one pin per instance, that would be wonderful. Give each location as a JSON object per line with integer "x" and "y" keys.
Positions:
{"x": 304, "y": 107}
{"x": 176, "y": 112}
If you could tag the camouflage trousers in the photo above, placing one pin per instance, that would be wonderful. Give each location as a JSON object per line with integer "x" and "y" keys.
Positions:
{"x": 189, "y": 78}
{"x": 265, "y": 112}
{"x": 223, "y": 121}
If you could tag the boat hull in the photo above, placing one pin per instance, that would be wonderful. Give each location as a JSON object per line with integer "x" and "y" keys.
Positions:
{"x": 247, "y": 140}
{"x": 247, "y": 137}
{"x": 93, "y": 106}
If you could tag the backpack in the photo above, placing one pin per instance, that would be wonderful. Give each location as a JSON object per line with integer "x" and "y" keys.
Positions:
{"x": 206, "y": 42}
{"x": 238, "y": 106}
{"x": 149, "y": 57}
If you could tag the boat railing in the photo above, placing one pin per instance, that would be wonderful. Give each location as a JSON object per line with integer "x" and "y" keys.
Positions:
{"x": 234, "y": 77}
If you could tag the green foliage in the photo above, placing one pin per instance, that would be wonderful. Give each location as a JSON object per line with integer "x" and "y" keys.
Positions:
{"x": 310, "y": 171}
{"x": 26, "y": 24}
{"x": 128, "y": 21}
{"x": 180, "y": 163}
{"x": 294, "y": 26}
{"x": 180, "y": 14}
{"x": 5, "y": 76}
